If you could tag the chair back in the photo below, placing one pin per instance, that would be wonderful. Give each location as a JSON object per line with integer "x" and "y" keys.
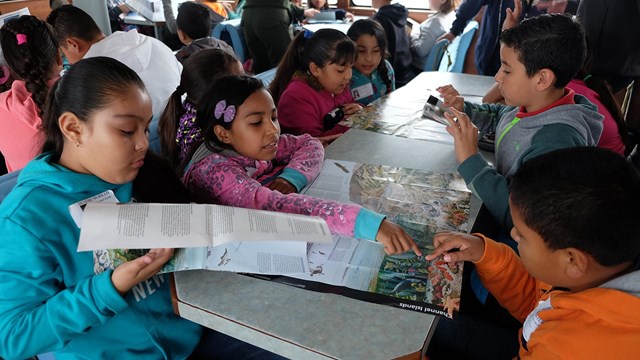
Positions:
{"x": 453, "y": 60}
{"x": 230, "y": 31}
{"x": 267, "y": 76}
{"x": 154, "y": 137}
{"x": 7, "y": 182}
{"x": 435, "y": 55}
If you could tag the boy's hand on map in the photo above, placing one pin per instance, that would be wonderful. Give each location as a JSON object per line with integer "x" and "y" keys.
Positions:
{"x": 464, "y": 132}
{"x": 282, "y": 185}
{"x": 131, "y": 273}
{"x": 453, "y": 246}
{"x": 395, "y": 239}
{"x": 451, "y": 97}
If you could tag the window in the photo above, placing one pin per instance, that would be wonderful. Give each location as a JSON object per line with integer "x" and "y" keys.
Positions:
{"x": 410, "y": 4}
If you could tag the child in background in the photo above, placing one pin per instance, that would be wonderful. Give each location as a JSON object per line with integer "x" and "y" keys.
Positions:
{"x": 244, "y": 161}
{"x": 31, "y": 52}
{"x": 216, "y": 7}
{"x": 80, "y": 37}
{"x": 194, "y": 31}
{"x": 393, "y": 18}
{"x": 575, "y": 222}
{"x": 423, "y": 39}
{"x": 177, "y": 125}
{"x": 234, "y": 13}
{"x": 372, "y": 74}
{"x": 323, "y": 6}
{"x": 541, "y": 114}
{"x": 312, "y": 80}
{"x": 95, "y": 126}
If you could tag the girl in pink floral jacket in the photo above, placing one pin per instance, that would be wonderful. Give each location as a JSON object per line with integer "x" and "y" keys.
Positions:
{"x": 243, "y": 161}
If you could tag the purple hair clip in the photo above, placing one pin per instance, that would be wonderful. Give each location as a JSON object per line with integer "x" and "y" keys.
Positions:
{"x": 21, "y": 39}
{"x": 221, "y": 109}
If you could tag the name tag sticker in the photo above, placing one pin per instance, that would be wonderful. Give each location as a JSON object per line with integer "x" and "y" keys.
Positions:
{"x": 76, "y": 209}
{"x": 362, "y": 91}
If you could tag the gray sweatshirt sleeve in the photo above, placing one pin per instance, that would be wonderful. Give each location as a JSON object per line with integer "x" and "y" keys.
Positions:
{"x": 169, "y": 18}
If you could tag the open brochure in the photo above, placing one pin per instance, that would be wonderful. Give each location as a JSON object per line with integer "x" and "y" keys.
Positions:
{"x": 210, "y": 237}
{"x": 422, "y": 203}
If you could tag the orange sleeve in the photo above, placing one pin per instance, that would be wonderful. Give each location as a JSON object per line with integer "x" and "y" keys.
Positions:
{"x": 506, "y": 278}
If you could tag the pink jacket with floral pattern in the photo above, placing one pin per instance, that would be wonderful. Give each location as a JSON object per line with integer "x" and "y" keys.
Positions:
{"x": 228, "y": 178}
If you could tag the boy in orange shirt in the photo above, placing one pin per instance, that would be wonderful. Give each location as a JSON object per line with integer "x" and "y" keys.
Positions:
{"x": 575, "y": 222}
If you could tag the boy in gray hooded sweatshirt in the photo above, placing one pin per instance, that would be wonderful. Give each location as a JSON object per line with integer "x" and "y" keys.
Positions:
{"x": 538, "y": 59}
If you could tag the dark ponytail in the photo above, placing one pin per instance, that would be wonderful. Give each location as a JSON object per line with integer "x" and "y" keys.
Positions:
{"x": 89, "y": 86}
{"x": 603, "y": 89}
{"x": 234, "y": 90}
{"x": 290, "y": 63}
{"x": 31, "y": 51}
{"x": 200, "y": 71}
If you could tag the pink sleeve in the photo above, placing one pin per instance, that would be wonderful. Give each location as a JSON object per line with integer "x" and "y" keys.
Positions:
{"x": 303, "y": 153}
{"x": 216, "y": 179}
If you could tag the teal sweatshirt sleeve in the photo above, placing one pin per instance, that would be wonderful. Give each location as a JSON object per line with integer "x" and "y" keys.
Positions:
{"x": 367, "y": 224}
{"x": 492, "y": 188}
{"x": 489, "y": 186}
{"x": 32, "y": 304}
{"x": 295, "y": 177}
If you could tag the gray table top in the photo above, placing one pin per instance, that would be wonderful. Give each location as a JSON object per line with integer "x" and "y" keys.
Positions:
{"x": 298, "y": 323}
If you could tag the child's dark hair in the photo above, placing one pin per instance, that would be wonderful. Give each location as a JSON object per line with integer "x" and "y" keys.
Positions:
{"x": 89, "y": 86}
{"x": 602, "y": 88}
{"x": 234, "y": 90}
{"x": 324, "y": 47}
{"x": 194, "y": 20}
{"x": 200, "y": 71}
{"x": 70, "y": 21}
{"x": 584, "y": 197}
{"x": 373, "y": 28}
{"x": 549, "y": 41}
{"x": 31, "y": 51}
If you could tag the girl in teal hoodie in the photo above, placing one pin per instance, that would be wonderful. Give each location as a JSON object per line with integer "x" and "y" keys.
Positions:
{"x": 50, "y": 298}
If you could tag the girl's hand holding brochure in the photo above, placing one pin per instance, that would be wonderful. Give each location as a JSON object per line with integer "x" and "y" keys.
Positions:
{"x": 454, "y": 246}
{"x": 131, "y": 273}
{"x": 395, "y": 239}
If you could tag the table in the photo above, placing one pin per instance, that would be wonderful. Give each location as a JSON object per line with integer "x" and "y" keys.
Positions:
{"x": 297, "y": 323}
{"x": 337, "y": 25}
{"x": 303, "y": 324}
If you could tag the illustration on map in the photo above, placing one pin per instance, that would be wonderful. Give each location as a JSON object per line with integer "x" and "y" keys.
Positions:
{"x": 423, "y": 203}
